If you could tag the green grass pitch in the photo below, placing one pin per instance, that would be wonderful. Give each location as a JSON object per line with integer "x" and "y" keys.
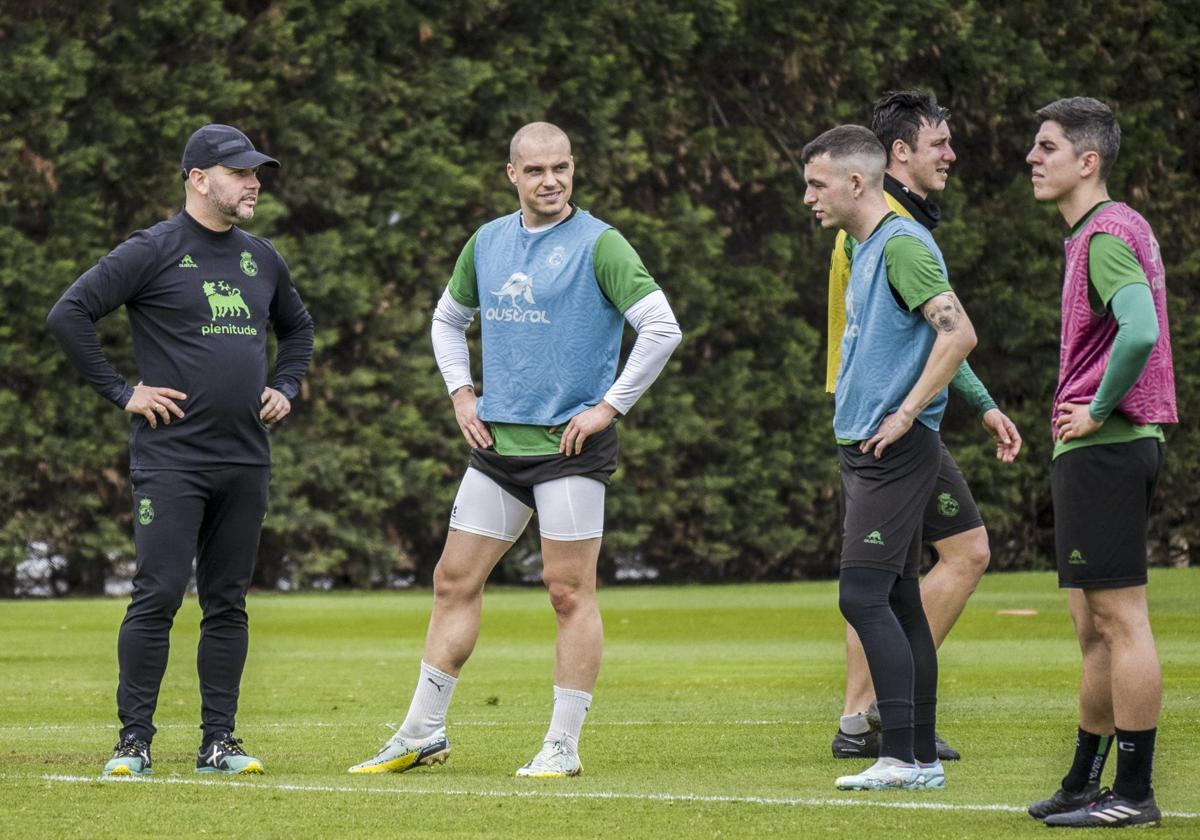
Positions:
{"x": 713, "y": 717}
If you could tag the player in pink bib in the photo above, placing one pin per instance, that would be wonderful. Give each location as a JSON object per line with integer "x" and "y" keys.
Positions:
{"x": 1116, "y": 388}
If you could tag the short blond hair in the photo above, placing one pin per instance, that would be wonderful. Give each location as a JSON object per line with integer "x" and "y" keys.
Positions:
{"x": 537, "y": 132}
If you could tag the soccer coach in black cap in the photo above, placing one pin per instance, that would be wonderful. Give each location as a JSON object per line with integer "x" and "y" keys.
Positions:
{"x": 200, "y": 294}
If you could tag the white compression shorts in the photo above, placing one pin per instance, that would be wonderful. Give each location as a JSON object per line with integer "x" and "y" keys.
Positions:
{"x": 569, "y": 508}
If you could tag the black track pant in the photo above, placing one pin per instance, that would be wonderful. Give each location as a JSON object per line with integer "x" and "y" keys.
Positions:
{"x": 885, "y": 610}
{"x": 214, "y": 517}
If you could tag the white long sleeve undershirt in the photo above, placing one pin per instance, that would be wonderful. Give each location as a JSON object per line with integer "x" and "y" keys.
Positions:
{"x": 658, "y": 335}
{"x": 449, "y": 334}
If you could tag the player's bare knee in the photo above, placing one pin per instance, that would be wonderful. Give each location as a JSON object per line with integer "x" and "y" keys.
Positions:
{"x": 1114, "y": 628}
{"x": 566, "y": 597}
{"x": 979, "y": 560}
{"x": 1090, "y": 640}
{"x": 1122, "y": 627}
{"x": 970, "y": 561}
{"x": 973, "y": 571}
{"x": 450, "y": 584}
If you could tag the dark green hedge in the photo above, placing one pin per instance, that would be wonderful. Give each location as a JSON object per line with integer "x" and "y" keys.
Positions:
{"x": 392, "y": 121}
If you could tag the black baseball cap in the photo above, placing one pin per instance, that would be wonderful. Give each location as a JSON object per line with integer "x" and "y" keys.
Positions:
{"x": 222, "y": 144}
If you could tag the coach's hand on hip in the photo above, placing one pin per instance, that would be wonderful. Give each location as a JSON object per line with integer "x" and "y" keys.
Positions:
{"x": 595, "y": 419}
{"x": 155, "y": 403}
{"x": 275, "y": 406}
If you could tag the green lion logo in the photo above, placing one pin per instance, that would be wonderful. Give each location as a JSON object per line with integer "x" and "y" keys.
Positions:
{"x": 225, "y": 303}
{"x": 1076, "y": 558}
{"x": 947, "y": 505}
{"x": 249, "y": 266}
{"x": 145, "y": 512}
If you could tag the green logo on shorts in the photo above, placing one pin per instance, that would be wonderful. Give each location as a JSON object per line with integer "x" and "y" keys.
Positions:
{"x": 1076, "y": 558}
{"x": 947, "y": 505}
{"x": 874, "y": 538}
{"x": 145, "y": 512}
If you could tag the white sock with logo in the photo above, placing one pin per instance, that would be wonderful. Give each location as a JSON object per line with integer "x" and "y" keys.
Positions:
{"x": 427, "y": 713}
{"x": 570, "y": 708}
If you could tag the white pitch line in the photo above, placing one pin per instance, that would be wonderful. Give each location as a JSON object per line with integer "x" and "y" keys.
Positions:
{"x": 550, "y": 794}
{"x": 76, "y": 727}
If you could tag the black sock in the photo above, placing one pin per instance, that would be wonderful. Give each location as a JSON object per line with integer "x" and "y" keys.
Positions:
{"x": 897, "y": 744}
{"x": 1135, "y": 763}
{"x": 896, "y": 730}
{"x": 924, "y": 733}
{"x": 924, "y": 747}
{"x": 1091, "y": 751}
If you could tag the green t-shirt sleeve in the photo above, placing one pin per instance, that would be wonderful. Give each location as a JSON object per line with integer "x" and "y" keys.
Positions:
{"x": 620, "y": 272}
{"x": 913, "y": 270}
{"x": 463, "y": 287}
{"x": 1111, "y": 266}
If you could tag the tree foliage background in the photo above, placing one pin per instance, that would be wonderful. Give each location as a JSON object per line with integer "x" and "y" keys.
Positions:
{"x": 392, "y": 121}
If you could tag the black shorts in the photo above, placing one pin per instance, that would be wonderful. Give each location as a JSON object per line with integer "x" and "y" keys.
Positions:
{"x": 1102, "y": 498}
{"x": 885, "y": 502}
{"x": 951, "y": 509}
{"x": 518, "y": 474}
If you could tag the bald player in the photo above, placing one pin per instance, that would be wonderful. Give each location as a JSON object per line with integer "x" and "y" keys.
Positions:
{"x": 554, "y": 286}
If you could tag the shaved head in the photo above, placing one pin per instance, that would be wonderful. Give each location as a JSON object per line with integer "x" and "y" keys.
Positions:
{"x": 843, "y": 169}
{"x": 536, "y": 135}
{"x": 851, "y": 148}
{"x": 540, "y": 166}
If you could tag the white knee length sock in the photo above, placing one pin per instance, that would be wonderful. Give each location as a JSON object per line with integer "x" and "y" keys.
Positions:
{"x": 570, "y": 708}
{"x": 430, "y": 701}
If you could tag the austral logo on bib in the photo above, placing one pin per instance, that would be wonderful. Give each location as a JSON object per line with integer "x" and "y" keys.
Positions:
{"x": 226, "y": 303}
{"x": 518, "y": 289}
